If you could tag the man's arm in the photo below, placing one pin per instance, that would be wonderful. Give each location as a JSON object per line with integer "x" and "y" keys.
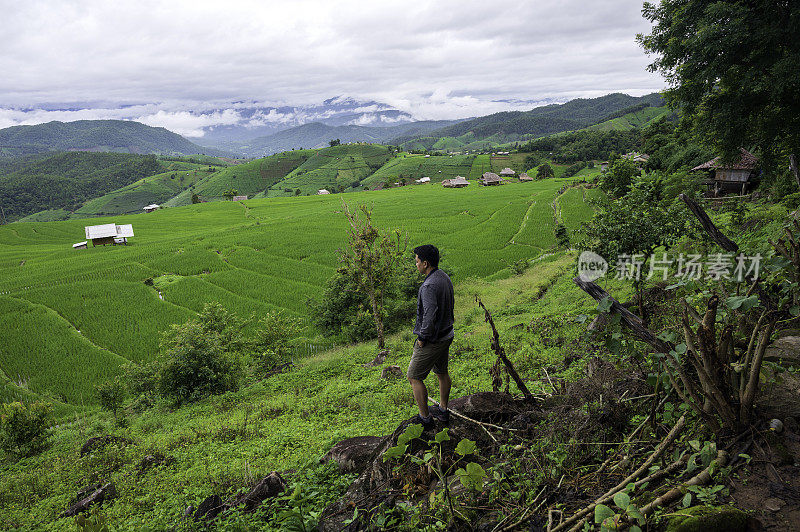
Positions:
{"x": 429, "y": 310}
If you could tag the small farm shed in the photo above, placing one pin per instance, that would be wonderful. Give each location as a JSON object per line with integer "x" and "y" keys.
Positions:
{"x": 108, "y": 234}
{"x": 507, "y": 172}
{"x": 423, "y": 180}
{"x": 239, "y": 198}
{"x": 525, "y": 177}
{"x": 457, "y": 182}
{"x": 490, "y": 178}
{"x": 638, "y": 158}
{"x": 152, "y": 207}
{"x": 730, "y": 177}
{"x": 80, "y": 245}
{"x": 322, "y": 191}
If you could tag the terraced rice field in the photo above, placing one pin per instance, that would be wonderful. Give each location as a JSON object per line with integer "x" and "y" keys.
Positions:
{"x": 70, "y": 318}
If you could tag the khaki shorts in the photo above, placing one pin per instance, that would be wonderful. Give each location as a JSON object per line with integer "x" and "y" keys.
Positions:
{"x": 433, "y": 356}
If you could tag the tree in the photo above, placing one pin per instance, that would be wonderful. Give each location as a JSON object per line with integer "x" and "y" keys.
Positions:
{"x": 733, "y": 69}
{"x": 628, "y": 231}
{"x": 373, "y": 257}
{"x": 111, "y": 395}
{"x": 544, "y": 171}
{"x": 195, "y": 198}
{"x": 617, "y": 181}
{"x": 200, "y": 357}
{"x": 230, "y": 193}
{"x": 335, "y": 142}
{"x": 25, "y": 428}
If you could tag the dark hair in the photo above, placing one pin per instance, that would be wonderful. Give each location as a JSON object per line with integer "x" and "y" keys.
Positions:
{"x": 428, "y": 253}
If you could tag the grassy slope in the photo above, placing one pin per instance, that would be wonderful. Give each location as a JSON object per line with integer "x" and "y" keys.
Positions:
{"x": 154, "y": 189}
{"x": 284, "y": 422}
{"x": 437, "y": 167}
{"x": 332, "y": 169}
{"x": 253, "y": 257}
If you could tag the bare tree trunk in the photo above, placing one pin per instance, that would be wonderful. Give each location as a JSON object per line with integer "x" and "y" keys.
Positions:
{"x": 376, "y": 315}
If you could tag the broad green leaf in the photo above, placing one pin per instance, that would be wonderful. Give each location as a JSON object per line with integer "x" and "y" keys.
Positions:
{"x": 602, "y": 512}
{"x": 472, "y": 477}
{"x": 634, "y": 528}
{"x": 466, "y": 447}
{"x": 394, "y": 452}
{"x": 411, "y": 432}
{"x": 687, "y": 500}
{"x": 680, "y": 349}
{"x": 741, "y": 303}
{"x": 622, "y": 500}
{"x": 794, "y": 310}
{"x": 442, "y": 436}
{"x": 604, "y": 305}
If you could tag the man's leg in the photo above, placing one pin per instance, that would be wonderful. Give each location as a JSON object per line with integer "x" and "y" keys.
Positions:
{"x": 420, "y": 396}
{"x": 444, "y": 389}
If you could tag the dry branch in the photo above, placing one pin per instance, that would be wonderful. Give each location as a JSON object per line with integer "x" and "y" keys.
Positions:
{"x": 501, "y": 354}
{"x": 666, "y": 442}
{"x": 704, "y": 477}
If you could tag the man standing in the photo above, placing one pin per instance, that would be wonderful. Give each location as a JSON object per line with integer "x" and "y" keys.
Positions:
{"x": 434, "y": 331}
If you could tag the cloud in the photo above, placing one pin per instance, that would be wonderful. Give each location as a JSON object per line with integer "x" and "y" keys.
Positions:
{"x": 443, "y": 59}
{"x": 190, "y": 124}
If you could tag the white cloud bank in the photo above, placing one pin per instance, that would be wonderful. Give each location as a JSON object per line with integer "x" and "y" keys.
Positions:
{"x": 435, "y": 60}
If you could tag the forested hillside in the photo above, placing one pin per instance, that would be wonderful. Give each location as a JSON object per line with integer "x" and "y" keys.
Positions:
{"x": 66, "y": 180}
{"x": 123, "y": 136}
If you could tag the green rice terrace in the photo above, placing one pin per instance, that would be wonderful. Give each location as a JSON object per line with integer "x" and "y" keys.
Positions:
{"x": 72, "y": 317}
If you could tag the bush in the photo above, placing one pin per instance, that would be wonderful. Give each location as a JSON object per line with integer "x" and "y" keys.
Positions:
{"x": 544, "y": 171}
{"x": 201, "y": 357}
{"x": 271, "y": 344}
{"x": 25, "y": 429}
{"x": 111, "y": 394}
{"x": 562, "y": 236}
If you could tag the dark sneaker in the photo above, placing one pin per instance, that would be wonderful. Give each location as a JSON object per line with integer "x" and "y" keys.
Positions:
{"x": 427, "y": 423}
{"x": 442, "y": 414}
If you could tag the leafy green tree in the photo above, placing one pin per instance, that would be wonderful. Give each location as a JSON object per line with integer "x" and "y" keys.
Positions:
{"x": 370, "y": 267}
{"x": 733, "y": 71}
{"x": 195, "y": 198}
{"x": 627, "y": 231}
{"x": 25, "y": 428}
{"x": 271, "y": 345}
{"x": 335, "y": 142}
{"x": 111, "y": 395}
{"x": 230, "y": 193}
{"x": 544, "y": 171}
{"x": 617, "y": 180}
{"x": 201, "y": 357}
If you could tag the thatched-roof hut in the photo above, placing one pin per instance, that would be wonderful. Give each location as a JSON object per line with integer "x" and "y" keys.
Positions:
{"x": 490, "y": 178}
{"x": 730, "y": 176}
{"x": 457, "y": 182}
{"x": 525, "y": 177}
{"x": 507, "y": 172}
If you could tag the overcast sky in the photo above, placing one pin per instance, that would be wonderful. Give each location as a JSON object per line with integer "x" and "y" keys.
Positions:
{"x": 444, "y": 59}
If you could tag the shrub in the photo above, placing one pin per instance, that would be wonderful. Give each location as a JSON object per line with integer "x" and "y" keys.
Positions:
{"x": 562, "y": 236}
{"x": 25, "y": 429}
{"x": 111, "y": 394}
{"x": 544, "y": 171}
{"x": 201, "y": 357}
{"x": 271, "y": 344}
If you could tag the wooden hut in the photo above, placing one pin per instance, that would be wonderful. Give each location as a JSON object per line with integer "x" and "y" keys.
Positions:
{"x": 152, "y": 207}
{"x": 525, "y": 177}
{"x": 108, "y": 234}
{"x": 507, "y": 172}
{"x": 457, "y": 182}
{"x": 239, "y": 198}
{"x": 730, "y": 177}
{"x": 490, "y": 178}
{"x": 322, "y": 191}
